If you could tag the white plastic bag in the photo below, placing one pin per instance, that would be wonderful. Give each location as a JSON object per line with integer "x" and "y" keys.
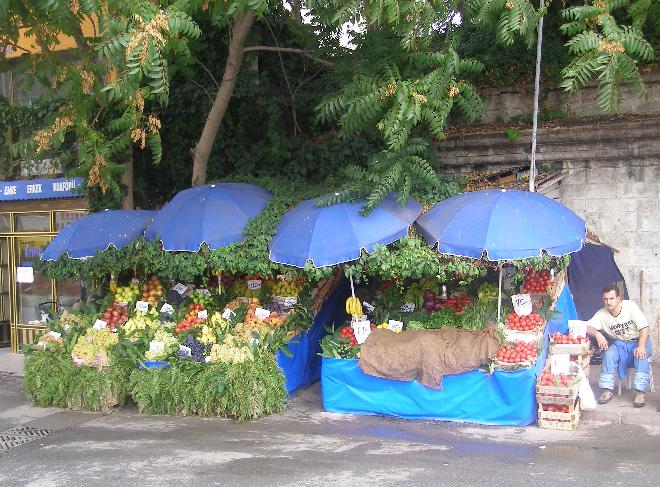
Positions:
{"x": 586, "y": 395}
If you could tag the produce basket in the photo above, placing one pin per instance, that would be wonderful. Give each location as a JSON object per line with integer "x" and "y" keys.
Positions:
{"x": 566, "y": 421}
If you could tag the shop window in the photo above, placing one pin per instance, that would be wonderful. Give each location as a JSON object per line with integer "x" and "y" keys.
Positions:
{"x": 63, "y": 218}
{"x": 4, "y": 223}
{"x": 32, "y": 222}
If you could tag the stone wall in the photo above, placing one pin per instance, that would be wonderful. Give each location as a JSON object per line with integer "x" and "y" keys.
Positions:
{"x": 502, "y": 104}
{"x": 608, "y": 173}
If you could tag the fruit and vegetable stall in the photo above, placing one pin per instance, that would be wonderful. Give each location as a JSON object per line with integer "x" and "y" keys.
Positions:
{"x": 190, "y": 317}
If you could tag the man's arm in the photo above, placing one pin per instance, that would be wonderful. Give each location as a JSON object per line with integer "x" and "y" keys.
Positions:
{"x": 600, "y": 338}
{"x": 640, "y": 351}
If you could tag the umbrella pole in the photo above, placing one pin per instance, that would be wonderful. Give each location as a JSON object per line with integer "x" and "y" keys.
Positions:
{"x": 499, "y": 297}
{"x": 352, "y": 288}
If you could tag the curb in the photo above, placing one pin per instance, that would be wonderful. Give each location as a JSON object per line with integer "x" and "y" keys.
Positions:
{"x": 650, "y": 417}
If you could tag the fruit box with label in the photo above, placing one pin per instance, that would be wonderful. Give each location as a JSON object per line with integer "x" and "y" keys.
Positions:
{"x": 568, "y": 344}
{"x": 567, "y": 419}
{"x": 561, "y": 389}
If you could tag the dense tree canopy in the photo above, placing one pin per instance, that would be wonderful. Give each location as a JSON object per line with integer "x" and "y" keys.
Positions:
{"x": 159, "y": 76}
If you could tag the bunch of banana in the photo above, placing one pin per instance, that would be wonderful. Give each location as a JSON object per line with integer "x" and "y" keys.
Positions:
{"x": 353, "y": 306}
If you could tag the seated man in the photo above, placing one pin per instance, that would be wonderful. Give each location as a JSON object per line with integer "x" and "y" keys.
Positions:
{"x": 622, "y": 331}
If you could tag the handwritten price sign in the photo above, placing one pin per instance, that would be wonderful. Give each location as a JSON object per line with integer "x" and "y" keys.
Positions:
{"x": 362, "y": 329}
{"x": 522, "y": 304}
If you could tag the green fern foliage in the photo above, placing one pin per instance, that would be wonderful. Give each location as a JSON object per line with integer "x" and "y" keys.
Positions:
{"x": 605, "y": 51}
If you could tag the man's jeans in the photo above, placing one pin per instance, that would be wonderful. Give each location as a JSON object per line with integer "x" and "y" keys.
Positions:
{"x": 619, "y": 356}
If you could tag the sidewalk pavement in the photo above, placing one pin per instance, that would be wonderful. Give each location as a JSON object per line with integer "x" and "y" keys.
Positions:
{"x": 619, "y": 410}
{"x": 11, "y": 363}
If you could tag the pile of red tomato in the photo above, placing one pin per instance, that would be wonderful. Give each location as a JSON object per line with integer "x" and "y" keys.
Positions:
{"x": 559, "y": 339}
{"x": 551, "y": 380}
{"x": 556, "y": 408}
{"x": 536, "y": 282}
{"x": 520, "y": 352}
{"x": 523, "y": 323}
{"x": 458, "y": 302}
{"x": 349, "y": 334}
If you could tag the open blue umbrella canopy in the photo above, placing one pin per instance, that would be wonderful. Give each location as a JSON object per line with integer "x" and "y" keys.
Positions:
{"x": 97, "y": 232}
{"x": 215, "y": 214}
{"x": 505, "y": 224}
{"x": 336, "y": 234}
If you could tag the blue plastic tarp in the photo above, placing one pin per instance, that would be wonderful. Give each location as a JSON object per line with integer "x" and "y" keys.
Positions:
{"x": 304, "y": 366}
{"x": 501, "y": 398}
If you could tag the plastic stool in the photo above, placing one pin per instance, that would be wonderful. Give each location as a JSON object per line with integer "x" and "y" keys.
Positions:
{"x": 629, "y": 378}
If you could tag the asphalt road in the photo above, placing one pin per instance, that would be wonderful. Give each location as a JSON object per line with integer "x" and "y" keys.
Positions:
{"x": 306, "y": 446}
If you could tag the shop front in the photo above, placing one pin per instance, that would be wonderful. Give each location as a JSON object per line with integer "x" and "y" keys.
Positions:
{"x": 32, "y": 212}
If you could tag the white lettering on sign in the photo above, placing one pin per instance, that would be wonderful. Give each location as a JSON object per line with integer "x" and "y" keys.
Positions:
{"x": 522, "y": 304}
{"x": 9, "y": 190}
{"x": 60, "y": 186}
{"x": 362, "y": 329}
{"x": 33, "y": 188}
{"x": 261, "y": 313}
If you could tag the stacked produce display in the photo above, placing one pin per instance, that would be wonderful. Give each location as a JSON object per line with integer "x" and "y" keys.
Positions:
{"x": 152, "y": 339}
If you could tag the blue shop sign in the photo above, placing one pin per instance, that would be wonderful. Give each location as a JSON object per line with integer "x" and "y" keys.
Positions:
{"x": 40, "y": 189}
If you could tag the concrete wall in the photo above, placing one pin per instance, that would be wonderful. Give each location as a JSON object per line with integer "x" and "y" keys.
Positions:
{"x": 504, "y": 103}
{"x": 610, "y": 177}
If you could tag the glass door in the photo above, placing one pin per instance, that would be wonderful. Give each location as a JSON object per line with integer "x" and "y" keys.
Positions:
{"x": 34, "y": 291}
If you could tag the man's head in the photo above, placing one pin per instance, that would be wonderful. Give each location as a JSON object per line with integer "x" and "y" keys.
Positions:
{"x": 612, "y": 299}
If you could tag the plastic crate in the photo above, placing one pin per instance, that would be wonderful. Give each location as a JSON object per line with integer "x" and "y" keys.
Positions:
{"x": 559, "y": 421}
{"x": 571, "y": 349}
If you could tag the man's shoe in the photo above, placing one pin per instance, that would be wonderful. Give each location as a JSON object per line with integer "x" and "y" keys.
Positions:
{"x": 605, "y": 397}
{"x": 640, "y": 400}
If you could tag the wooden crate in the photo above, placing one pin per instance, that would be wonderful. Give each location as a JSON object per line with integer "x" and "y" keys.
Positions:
{"x": 571, "y": 349}
{"x": 559, "y": 421}
{"x": 557, "y": 395}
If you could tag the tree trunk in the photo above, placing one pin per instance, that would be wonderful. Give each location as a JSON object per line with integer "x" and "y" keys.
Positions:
{"x": 242, "y": 27}
{"x": 127, "y": 202}
{"x": 296, "y": 13}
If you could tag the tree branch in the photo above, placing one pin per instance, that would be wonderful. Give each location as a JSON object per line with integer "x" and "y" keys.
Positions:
{"x": 291, "y": 50}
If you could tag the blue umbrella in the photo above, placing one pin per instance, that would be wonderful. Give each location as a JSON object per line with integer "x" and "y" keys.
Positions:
{"x": 97, "y": 232}
{"x": 336, "y": 234}
{"x": 503, "y": 225}
{"x": 214, "y": 214}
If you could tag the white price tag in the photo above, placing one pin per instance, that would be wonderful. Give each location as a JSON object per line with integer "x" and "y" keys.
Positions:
{"x": 99, "y": 325}
{"x": 203, "y": 314}
{"x": 135, "y": 281}
{"x": 261, "y": 313}
{"x": 254, "y": 284}
{"x": 123, "y": 304}
{"x": 560, "y": 363}
{"x": 180, "y": 288}
{"x": 167, "y": 309}
{"x": 156, "y": 347}
{"x": 207, "y": 359}
{"x": 577, "y": 328}
{"x": 203, "y": 292}
{"x": 362, "y": 329}
{"x": 289, "y": 301}
{"x": 408, "y": 308}
{"x": 142, "y": 306}
{"x": 186, "y": 350}
{"x": 395, "y": 326}
{"x": 368, "y": 307}
{"x": 228, "y": 314}
{"x": 54, "y": 334}
{"x": 522, "y": 304}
